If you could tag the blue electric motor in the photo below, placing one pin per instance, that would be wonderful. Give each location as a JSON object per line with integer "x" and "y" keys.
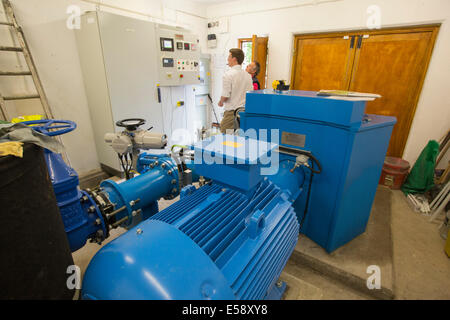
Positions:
{"x": 229, "y": 239}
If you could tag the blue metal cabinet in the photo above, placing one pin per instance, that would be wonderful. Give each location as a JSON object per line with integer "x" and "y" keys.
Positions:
{"x": 350, "y": 145}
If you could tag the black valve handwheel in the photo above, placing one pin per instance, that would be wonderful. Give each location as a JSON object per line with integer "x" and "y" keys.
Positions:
{"x": 130, "y": 124}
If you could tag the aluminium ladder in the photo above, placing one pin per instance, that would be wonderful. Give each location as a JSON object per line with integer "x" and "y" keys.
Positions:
{"x": 22, "y": 48}
{"x": 32, "y": 71}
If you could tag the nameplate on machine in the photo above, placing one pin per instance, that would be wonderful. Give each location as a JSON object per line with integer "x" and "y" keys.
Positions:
{"x": 293, "y": 139}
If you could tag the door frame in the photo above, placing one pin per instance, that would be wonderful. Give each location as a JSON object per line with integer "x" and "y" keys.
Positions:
{"x": 240, "y": 40}
{"x": 253, "y": 40}
{"x": 433, "y": 28}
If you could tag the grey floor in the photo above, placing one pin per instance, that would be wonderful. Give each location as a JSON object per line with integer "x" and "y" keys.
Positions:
{"x": 405, "y": 244}
{"x": 422, "y": 269}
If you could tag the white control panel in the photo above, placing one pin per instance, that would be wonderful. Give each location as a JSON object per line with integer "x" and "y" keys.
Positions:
{"x": 179, "y": 57}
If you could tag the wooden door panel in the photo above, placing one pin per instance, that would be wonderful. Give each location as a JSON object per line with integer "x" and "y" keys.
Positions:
{"x": 322, "y": 63}
{"x": 393, "y": 66}
{"x": 259, "y": 53}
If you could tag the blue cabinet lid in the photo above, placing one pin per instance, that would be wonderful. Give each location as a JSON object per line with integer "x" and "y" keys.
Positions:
{"x": 305, "y": 105}
{"x": 239, "y": 150}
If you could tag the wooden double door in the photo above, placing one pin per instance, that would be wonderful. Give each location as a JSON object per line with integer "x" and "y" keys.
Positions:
{"x": 391, "y": 62}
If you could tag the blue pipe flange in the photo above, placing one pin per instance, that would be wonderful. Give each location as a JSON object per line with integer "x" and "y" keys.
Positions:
{"x": 165, "y": 165}
{"x": 96, "y": 218}
{"x": 136, "y": 199}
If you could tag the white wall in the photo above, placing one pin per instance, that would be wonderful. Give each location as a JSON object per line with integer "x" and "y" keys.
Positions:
{"x": 54, "y": 50}
{"x": 280, "y": 20}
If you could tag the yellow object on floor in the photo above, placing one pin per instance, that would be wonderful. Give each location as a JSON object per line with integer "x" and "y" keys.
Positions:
{"x": 11, "y": 148}
{"x": 447, "y": 245}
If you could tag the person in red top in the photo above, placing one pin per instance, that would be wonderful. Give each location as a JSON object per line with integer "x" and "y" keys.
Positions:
{"x": 253, "y": 68}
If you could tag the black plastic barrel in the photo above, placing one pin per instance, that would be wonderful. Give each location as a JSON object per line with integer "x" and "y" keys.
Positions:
{"x": 34, "y": 251}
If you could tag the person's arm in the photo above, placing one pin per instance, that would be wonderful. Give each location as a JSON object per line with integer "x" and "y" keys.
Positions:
{"x": 222, "y": 101}
{"x": 226, "y": 90}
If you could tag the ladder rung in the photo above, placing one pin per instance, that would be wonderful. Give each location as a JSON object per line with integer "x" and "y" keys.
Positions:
{"x": 6, "y": 23}
{"x": 11, "y": 49}
{"x": 17, "y": 73}
{"x": 30, "y": 96}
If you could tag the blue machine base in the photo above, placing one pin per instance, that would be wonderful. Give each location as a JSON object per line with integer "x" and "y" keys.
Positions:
{"x": 277, "y": 292}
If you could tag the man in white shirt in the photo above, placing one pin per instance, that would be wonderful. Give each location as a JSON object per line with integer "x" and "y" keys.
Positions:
{"x": 236, "y": 82}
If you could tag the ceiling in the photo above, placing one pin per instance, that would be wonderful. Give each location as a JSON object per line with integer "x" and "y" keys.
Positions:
{"x": 212, "y": 2}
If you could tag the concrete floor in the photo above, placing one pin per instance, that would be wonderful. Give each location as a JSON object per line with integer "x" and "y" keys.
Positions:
{"x": 349, "y": 263}
{"x": 422, "y": 268}
{"x": 410, "y": 254}
{"x": 404, "y": 244}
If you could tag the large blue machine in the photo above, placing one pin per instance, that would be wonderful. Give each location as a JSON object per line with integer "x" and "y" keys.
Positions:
{"x": 350, "y": 144}
{"x": 225, "y": 240}
{"x": 312, "y": 163}
{"x": 229, "y": 239}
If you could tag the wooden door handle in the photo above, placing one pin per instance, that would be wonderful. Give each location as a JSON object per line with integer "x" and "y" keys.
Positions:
{"x": 352, "y": 42}
{"x": 358, "y": 46}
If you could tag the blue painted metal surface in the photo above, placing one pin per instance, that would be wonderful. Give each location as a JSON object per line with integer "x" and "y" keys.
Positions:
{"x": 243, "y": 158}
{"x": 249, "y": 238}
{"x": 276, "y": 293}
{"x": 81, "y": 214}
{"x": 350, "y": 146}
{"x": 216, "y": 242}
{"x": 187, "y": 191}
{"x": 52, "y": 127}
{"x": 293, "y": 183}
{"x": 78, "y": 219}
{"x": 158, "y": 262}
{"x": 79, "y": 211}
{"x": 158, "y": 178}
{"x": 139, "y": 195}
{"x": 305, "y": 105}
{"x": 216, "y": 238}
